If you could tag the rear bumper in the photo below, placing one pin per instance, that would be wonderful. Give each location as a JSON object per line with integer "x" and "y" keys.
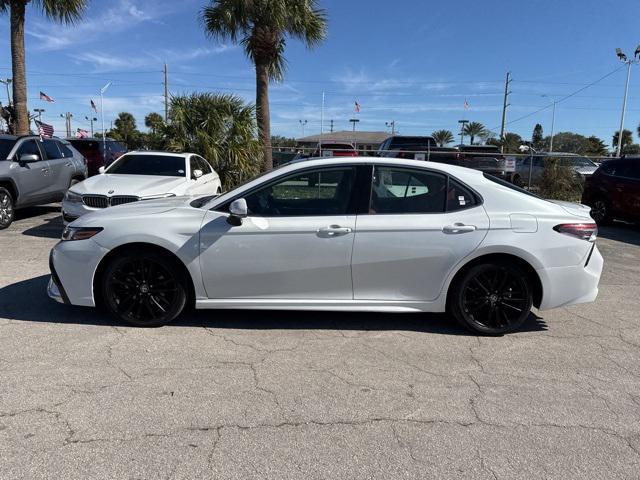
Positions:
{"x": 571, "y": 285}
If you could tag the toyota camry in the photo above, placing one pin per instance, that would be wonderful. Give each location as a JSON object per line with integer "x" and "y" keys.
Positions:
{"x": 336, "y": 234}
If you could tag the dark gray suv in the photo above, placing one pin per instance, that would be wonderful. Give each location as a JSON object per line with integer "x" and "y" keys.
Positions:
{"x": 35, "y": 171}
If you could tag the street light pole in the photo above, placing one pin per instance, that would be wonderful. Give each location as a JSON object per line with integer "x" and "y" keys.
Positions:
{"x": 104, "y": 135}
{"x": 624, "y": 107}
{"x": 353, "y": 122}
{"x": 391, "y": 124}
{"x": 91, "y": 120}
{"x": 7, "y": 82}
{"x": 462, "y": 125}
{"x": 302, "y": 124}
{"x": 39, "y": 111}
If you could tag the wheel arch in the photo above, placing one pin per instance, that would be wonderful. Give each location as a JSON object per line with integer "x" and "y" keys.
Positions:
{"x": 10, "y": 185}
{"x": 97, "y": 291}
{"x": 532, "y": 275}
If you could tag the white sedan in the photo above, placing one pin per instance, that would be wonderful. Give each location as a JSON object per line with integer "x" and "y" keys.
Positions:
{"x": 363, "y": 234}
{"x": 141, "y": 175}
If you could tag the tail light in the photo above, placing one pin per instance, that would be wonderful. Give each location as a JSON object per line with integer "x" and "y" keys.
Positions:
{"x": 583, "y": 231}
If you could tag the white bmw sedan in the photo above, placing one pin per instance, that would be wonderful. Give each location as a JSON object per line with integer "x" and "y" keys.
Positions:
{"x": 357, "y": 234}
{"x": 141, "y": 175}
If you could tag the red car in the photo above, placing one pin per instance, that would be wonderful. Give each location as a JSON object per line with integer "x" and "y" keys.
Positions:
{"x": 92, "y": 150}
{"x": 335, "y": 149}
{"x": 613, "y": 191}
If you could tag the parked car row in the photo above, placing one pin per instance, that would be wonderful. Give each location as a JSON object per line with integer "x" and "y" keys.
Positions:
{"x": 36, "y": 171}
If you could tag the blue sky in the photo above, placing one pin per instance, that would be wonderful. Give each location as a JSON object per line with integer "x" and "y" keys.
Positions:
{"x": 410, "y": 61}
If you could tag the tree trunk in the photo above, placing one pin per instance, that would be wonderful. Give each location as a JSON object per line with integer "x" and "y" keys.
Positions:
{"x": 262, "y": 111}
{"x": 18, "y": 67}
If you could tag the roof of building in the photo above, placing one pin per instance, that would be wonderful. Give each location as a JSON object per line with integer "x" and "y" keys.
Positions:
{"x": 347, "y": 136}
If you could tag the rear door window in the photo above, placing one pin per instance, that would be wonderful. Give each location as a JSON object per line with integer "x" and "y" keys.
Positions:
{"x": 402, "y": 190}
{"x": 459, "y": 197}
{"x": 51, "y": 149}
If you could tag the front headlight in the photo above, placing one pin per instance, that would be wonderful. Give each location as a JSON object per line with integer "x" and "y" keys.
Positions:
{"x": 72, "y": 197}
{"x": 160, "y": 195}
{"x": 79, "y": 233}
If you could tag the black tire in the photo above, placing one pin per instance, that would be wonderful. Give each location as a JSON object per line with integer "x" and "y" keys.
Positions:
{"x": 492, "y": 298}
{"x": 144, "y": 289}
{"x": 7, "y": 208}
{"x": 73, "y": 182}
{"x": 600, "y": 212}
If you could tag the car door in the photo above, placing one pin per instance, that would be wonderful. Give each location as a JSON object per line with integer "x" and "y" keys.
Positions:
{"x": 626, "y": 186}
{"x": 420, "y": 224}
{"x": 60, "y": 168}
{"x": 202, "y": 184}
{"x": 32, "y": 178}
{"x": 296, "y": 242}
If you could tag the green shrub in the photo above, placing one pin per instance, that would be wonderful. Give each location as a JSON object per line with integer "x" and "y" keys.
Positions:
{"x": 560, "y": 182}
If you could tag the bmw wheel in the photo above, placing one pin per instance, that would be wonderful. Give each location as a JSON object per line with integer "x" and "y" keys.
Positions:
{"x": 6, "y": 208}
{"x": 492, "y": 298}
{"x": 144, "y": 289}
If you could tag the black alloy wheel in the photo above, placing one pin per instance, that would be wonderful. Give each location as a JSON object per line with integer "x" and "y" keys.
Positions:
{"x": 492, "y": 298}
{"x": 600, "y": 212}
{"x": 144, "y": 289}
{"x": 6, "y": 208}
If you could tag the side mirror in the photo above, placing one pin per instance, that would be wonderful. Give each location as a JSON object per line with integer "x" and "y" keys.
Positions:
{"x": 101, "y": 169}
{"x": 29, "y": 158}
{"x": 196, "y": 174}
{"x": 238, "y": 210}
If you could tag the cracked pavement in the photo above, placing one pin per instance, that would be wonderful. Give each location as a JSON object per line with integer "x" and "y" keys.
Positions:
{"x": 240, "y": 395}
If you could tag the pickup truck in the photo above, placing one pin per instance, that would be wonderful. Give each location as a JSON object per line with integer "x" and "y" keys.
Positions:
{"x": 486, "y": 158}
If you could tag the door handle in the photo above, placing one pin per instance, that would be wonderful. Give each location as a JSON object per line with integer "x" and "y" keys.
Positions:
{"x": 458, "y": 228}
{"x": 44, "y": 170}
{"x": 334, "y": 230}
{"x": 69, "y": 164}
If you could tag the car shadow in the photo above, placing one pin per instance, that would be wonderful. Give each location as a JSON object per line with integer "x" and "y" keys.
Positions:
{"x": 621, "y": 232}
{"x": 50, "y": 228}
{"x": 27, "y": 301}
{"x": 30, "y": 212}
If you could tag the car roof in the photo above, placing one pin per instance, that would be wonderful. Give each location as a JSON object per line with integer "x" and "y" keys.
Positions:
{"x": 161, "y": 153}
{"x": 90, "y": 139}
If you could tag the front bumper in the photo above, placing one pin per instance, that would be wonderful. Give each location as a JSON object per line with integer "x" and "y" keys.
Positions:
{"x": 72, "y": 211}
{"x": 73, "y": 265}
{"x": 571, "y": 285}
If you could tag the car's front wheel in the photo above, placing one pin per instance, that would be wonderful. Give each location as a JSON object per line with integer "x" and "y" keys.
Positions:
{"x": 600, "y": 212}
{"x": 492, "y": 298}
{"x": 144, "y": 289}
{"x": 6, "y": 208}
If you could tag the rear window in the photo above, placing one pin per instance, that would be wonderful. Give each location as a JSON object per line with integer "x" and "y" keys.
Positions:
{"x": 84, "y": 146}
{"x": 5, "y": 148}
{"x": 116, "y": 147}
{"x": 161, "y": 165}
{"x": 336, "y": 146}
{"x": 504, "y": 183}
{"x": 399, "y": 142}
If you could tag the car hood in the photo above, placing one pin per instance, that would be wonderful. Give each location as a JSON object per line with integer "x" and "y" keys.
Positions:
{"x": 143, "y": 207}
{"x": 136, "y": 185}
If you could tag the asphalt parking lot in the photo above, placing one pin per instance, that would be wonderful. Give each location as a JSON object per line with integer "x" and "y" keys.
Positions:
{"x": 243, "y": 395}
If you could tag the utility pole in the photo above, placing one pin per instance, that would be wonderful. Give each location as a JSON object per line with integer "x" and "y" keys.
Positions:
{"x": 391, "y": 124}
{"x": 462, "y": 125}
{"x": 505, "y": 104}
{"x": 166, "y": 93}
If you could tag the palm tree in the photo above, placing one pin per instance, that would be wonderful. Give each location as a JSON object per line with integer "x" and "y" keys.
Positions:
{"x": 474, "y": 129}
{"x": 443, "y": 137}
{"x": 627, "y": 138}
{"x": 153, "y": 121}
{"x": 221, "y": 128}
{"x": 126, "y": 128}
{"x": 63, "y": 11}
{"x": 261, "y": 27}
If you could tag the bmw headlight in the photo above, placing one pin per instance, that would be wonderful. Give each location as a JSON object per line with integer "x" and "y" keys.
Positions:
{"x": 79, "y": 233}
{"x": 72, "y": 197}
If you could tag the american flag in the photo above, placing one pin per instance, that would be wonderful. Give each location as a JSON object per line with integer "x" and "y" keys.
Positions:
{"x": 93, "y": 106}
{"x": 46, "y": 98}
{"x": 44, "y": 129}
{"x": 81, "y": 133}
{"x": 466, "y": 104}
{"x": 356, "y": 107}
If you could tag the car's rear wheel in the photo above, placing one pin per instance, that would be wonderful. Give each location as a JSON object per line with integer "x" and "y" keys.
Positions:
{"x": 600, "y": 212}
{"x": 6, "y": 208}
{"x": 144, "y": 289}
{"x": 492, "y": 298}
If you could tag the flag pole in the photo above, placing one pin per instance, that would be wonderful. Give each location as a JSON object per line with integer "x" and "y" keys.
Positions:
{"x": 321, "y": 124}
{"x": 104, "y": 134}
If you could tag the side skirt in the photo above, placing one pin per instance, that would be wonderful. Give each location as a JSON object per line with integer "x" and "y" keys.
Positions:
{"x": 320, "y": 305}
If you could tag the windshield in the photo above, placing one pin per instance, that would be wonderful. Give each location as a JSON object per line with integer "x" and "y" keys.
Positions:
{"x": 161, "y": 165}
{"x": 5, "y": 148}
